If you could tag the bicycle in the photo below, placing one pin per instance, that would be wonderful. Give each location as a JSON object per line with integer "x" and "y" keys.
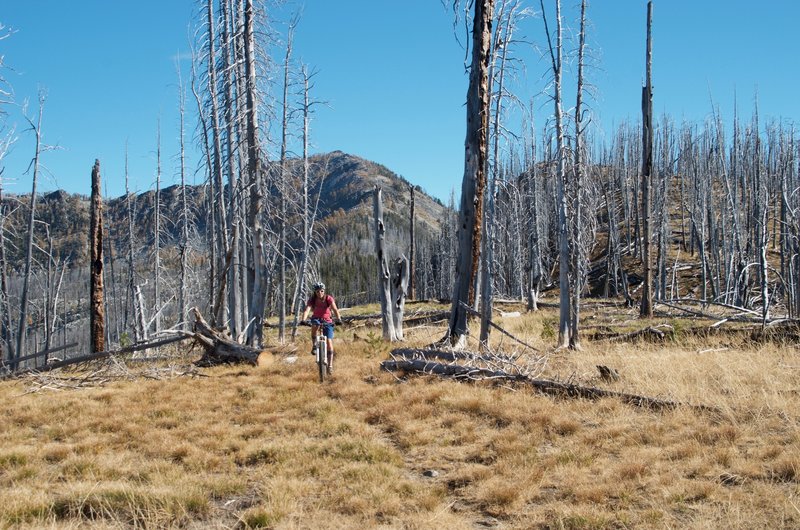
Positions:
{"x": 320, "y": 349}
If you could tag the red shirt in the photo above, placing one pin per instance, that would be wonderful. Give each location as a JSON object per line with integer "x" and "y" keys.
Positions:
{"x": 321, "y": 307}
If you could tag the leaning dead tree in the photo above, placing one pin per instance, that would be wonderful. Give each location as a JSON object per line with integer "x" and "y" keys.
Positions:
{"x": 97, "y": 321}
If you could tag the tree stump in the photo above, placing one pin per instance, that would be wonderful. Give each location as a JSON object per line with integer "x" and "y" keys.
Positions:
{"x": 218, "y": 348}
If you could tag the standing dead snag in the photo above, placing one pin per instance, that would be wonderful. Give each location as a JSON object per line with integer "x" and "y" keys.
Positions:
{"x": 470, "y": 216}
{"x": 646, "y": 309}
{"x": 411, "y": 287}
{"x": 97, "y": 314}
{"x": 400, "y": 278}
{"x": 392, "y": 287}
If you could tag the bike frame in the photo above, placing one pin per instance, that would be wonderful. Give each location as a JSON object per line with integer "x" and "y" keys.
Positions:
{"x": 321, "y": 351}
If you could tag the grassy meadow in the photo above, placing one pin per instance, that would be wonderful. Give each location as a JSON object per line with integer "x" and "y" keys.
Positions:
{"x": 271, "y": 447}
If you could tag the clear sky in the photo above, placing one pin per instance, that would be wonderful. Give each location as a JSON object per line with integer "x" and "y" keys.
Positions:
{"x": 392, "y": 72}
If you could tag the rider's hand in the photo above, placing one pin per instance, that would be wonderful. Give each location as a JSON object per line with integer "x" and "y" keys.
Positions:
{"x": 338, "y": 321}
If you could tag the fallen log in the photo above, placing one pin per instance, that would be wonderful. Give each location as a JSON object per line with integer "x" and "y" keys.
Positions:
{"x": 219, "y": 349}
{"x": 417, "y": 353}
{"x": 542, "y": 385}
{"x": 98, "y": 355}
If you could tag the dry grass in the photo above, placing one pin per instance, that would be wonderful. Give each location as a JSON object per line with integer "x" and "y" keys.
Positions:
{"x": 271, "y": 447}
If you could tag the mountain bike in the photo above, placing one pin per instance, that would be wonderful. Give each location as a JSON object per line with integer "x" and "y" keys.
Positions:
{"x": 320, "y": 349}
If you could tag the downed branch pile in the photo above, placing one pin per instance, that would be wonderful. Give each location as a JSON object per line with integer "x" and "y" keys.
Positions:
{"x": 478, "y": 367}
{"x": 112, "y": 370}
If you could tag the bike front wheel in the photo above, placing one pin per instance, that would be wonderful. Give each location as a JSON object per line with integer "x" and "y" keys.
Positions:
{"x": 322, "y": 359}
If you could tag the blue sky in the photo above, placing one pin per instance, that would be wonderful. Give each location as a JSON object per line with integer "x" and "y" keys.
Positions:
{"x": 393, "y": 76}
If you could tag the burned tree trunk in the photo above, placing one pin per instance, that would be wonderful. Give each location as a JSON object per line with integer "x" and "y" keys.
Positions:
{"x": 400, "y": 278}
{"x": 97, "y": 317}
{"x": 411, "y": 286}
{"x": 392, "y": 285}
{"x": 646, "y": 309}
{"x": 474, "y": 181}
{"x": 384, "y": 277}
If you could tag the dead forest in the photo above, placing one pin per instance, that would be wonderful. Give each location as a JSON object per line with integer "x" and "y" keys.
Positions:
{"x": 660, "y": 214}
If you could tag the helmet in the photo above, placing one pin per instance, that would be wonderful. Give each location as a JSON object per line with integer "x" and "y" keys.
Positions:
{"x": 319, "y": 286}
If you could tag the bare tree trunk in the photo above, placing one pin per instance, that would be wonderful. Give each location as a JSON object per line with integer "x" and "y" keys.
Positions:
{"x": 761, "y": 218}
{"x": 97, "y": 314}
{"x": 157, "y": 239}
{"x": 258, "y": 300}
{"x": 210, "y": 214}
{"x": 6, "y": 332}
{"x": 384, "y": 275}
{"x": 577, "y": 242}
{"x": 282, "y": 190}
{"x": 474, "y": 181}
{"x": 216, "y": 154}
{"x": 563, "y": 244}
{"x": 184, "y": 245}
{"x": 309, "y": 214}
{"x": 141, "y": 318}
{"x": 23, "y": 305}
{"x": 412, "y": 243}
{"x": 646, "y": 309}
{"x": 399, "y": 287}
{"x": 130, "y": 296}
{"x": 237, "y": 286}
{"x": 503, "y": 37}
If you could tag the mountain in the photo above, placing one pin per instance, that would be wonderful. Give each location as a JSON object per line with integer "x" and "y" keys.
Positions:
{"x": 344, "y": 217}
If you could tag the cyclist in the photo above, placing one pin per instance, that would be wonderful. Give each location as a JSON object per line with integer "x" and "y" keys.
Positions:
{"x": 320, "y": 305}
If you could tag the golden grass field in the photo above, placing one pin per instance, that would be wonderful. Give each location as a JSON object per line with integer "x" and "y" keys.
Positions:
{"x": 271, "y": 447}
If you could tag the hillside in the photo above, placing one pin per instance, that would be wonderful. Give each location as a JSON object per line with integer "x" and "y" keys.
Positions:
{"x": 347, "y": 186}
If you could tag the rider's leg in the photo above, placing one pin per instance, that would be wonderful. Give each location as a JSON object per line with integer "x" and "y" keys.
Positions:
{"x": 314, "y": 328}
{"x": 330, "y": 351}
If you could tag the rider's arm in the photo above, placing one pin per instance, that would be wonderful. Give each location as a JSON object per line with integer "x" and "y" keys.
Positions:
{"x": 305, "y": 313}
{"x": 335, "y": 310}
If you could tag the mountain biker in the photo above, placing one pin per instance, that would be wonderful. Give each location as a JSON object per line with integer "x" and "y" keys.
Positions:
{"x": 320, "y": 305}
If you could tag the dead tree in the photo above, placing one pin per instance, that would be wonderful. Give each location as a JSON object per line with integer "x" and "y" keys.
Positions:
{"x": 131, "y": 301}
{"x": 23, "y": 305}
{"x": 97, "y": 317}
{"x": 474, "y": 180}
{"x": 283, "y": 188}
{"x": 579, "y": 168}
{"x": 6, "y": 333}
{"x": 218, "y": 188}
{"x": 157, "y": 239}
{"x": 218, "y": 348}
{"x": 255, "y": 178}
{"x": 646, "y": 308}
{"x": 561, "y": 176}
{"x": 184, "y": 244}
{"x": 309, "y": 213}
{"x": 237, "y": 293}
{"x": 384, "y": 274}
{"x": 412, "y": 243}
{"x": 502, "y": 42}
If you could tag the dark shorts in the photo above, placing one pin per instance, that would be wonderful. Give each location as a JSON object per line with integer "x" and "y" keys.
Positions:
{"x": 327, "y": 327}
